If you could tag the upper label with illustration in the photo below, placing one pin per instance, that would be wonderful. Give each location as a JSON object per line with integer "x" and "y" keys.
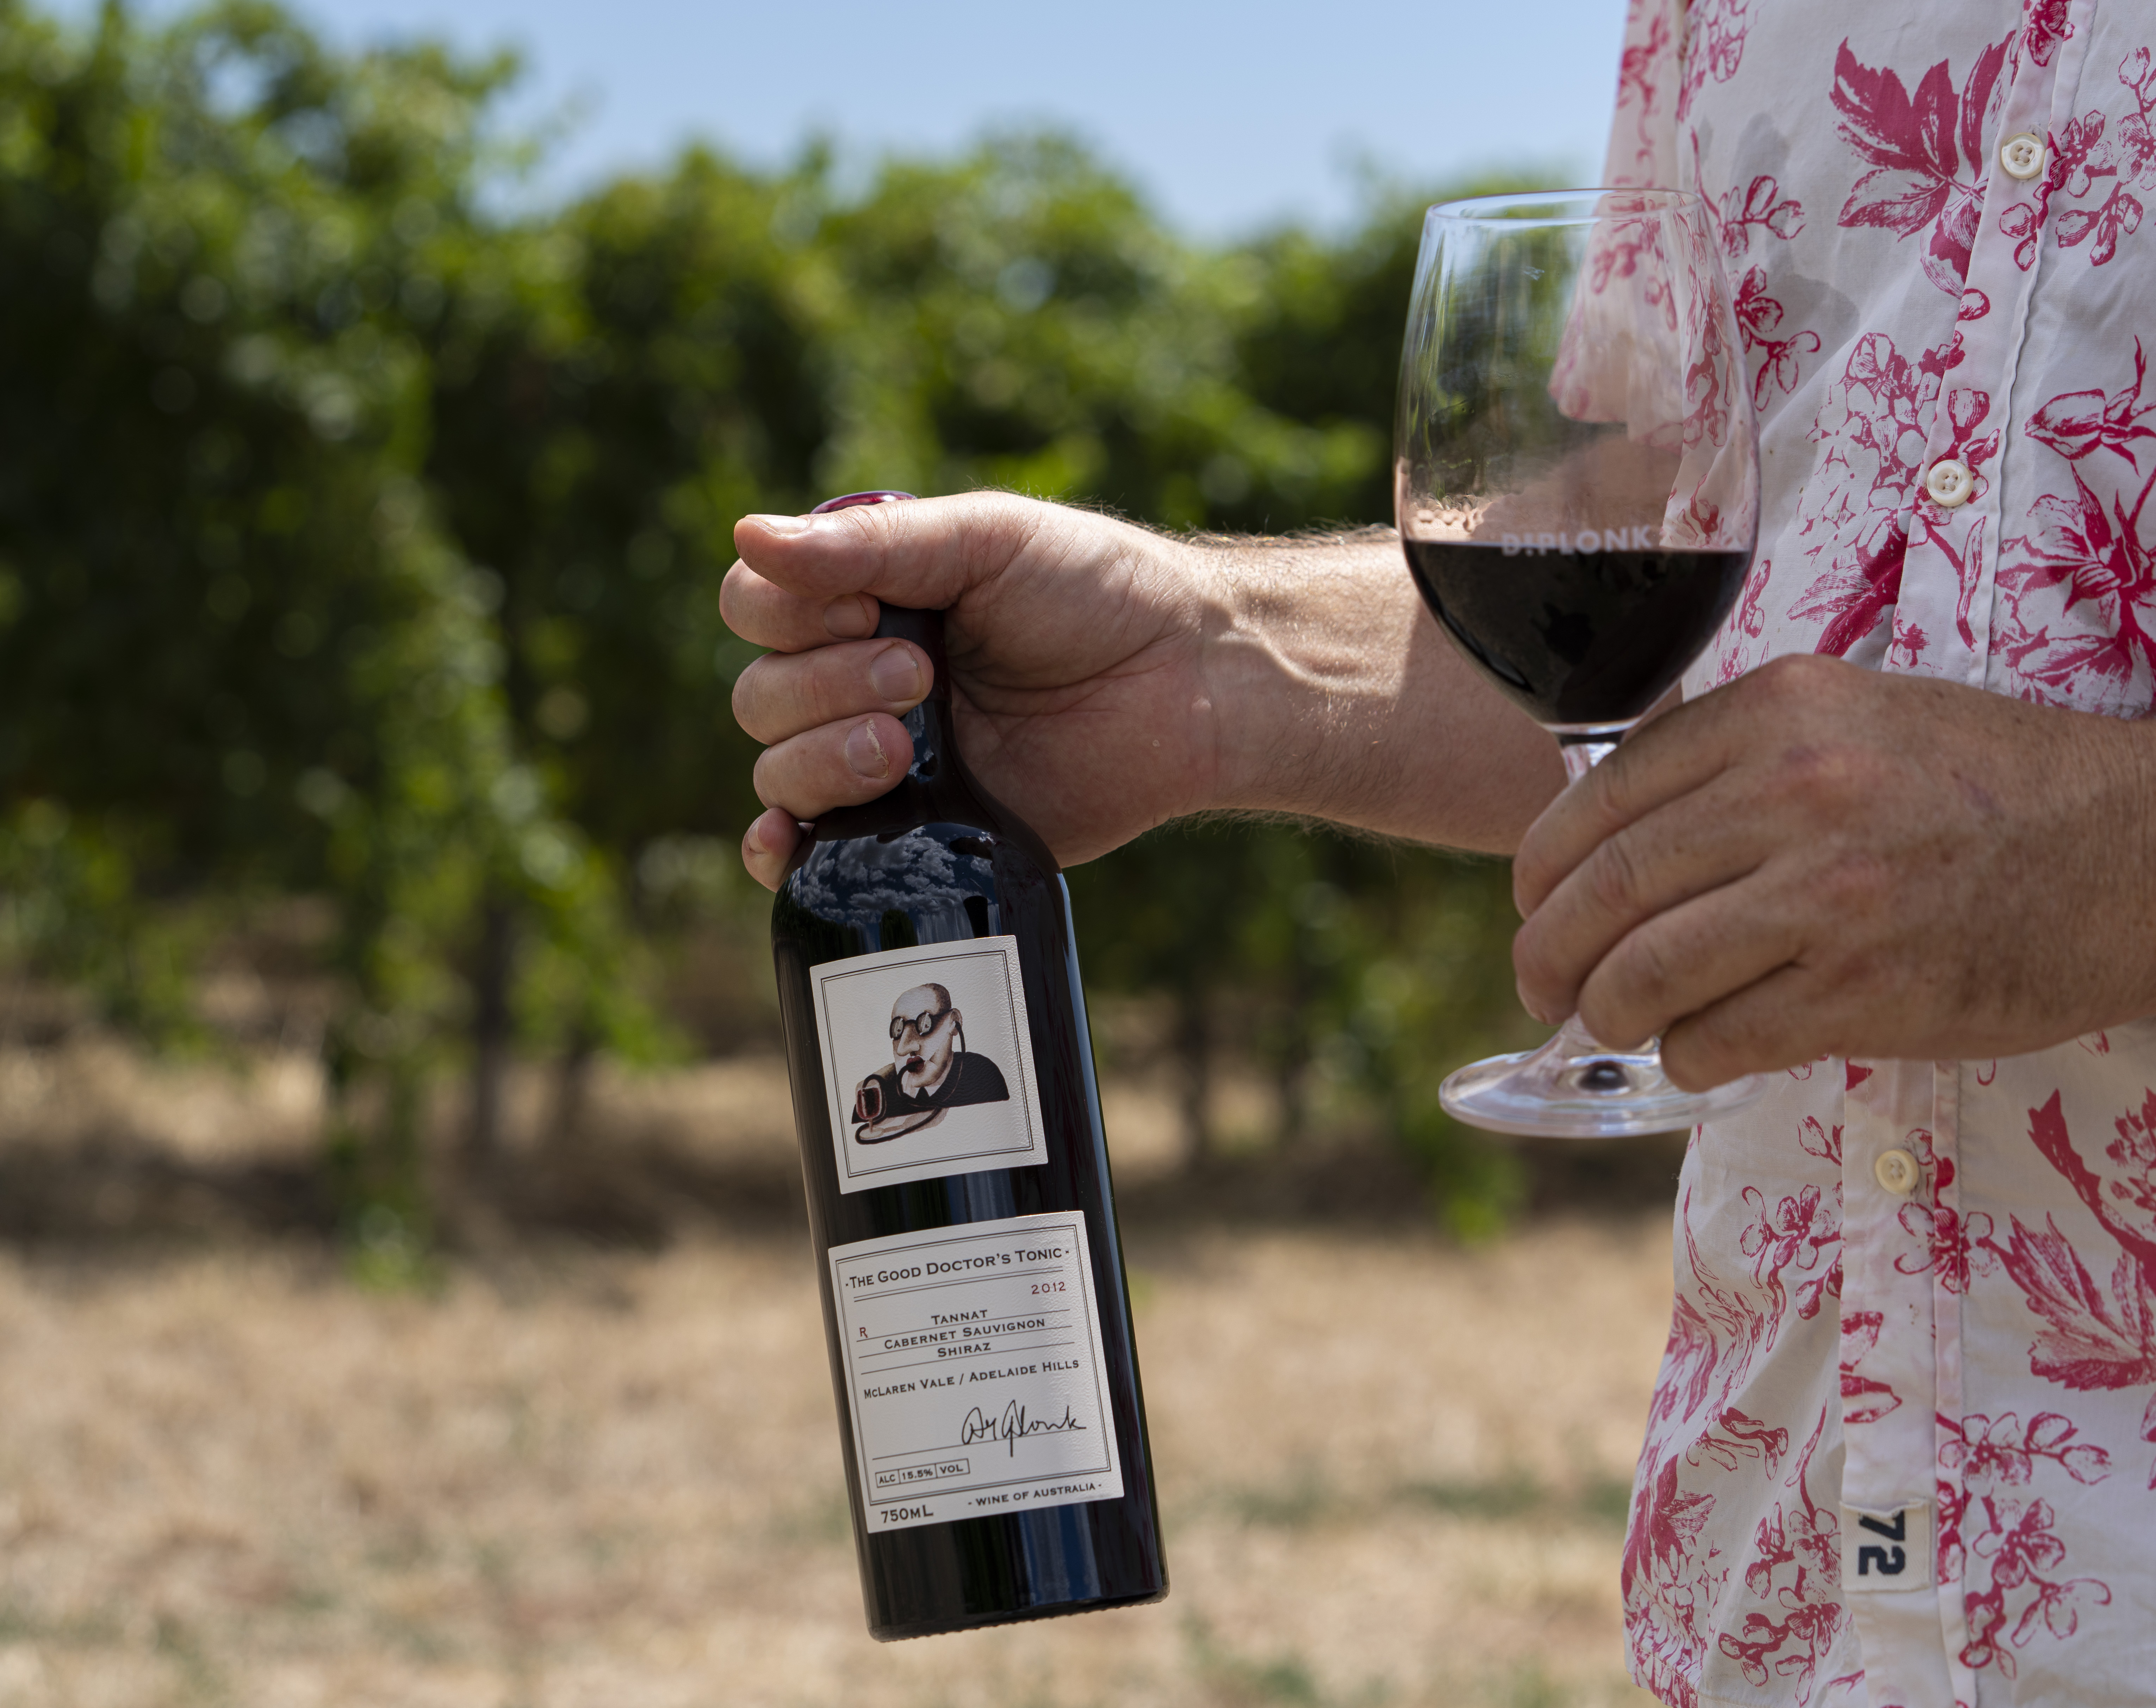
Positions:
{"x": 927, "y": 1063}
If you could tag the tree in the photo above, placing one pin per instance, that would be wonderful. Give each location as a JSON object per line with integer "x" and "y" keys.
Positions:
{"x": 238, "y": 655}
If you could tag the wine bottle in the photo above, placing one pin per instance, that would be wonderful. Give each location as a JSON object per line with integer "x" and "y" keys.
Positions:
{"x": 959, "y": 1202}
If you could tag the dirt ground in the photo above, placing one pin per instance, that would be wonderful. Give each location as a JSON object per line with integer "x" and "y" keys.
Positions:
{"x": 601, "y": 1474}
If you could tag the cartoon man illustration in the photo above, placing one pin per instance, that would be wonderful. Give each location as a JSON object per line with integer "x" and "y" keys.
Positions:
{"x": 930, "y": 1070}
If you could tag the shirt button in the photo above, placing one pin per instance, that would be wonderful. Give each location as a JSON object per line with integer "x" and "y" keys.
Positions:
{"x": 2022, "y": 156}
{"x": 1949, "y": 482}
{"x": 1897, "y": 1171}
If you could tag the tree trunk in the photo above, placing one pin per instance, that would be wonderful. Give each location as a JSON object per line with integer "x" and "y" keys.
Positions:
{"x": 497, "y": 949}
{"x": 1192, "y": 1051}
{"x": 572, "y": 1085}
{"x": 1292, "y": 1086}
{"x": 1291, "y": 1062}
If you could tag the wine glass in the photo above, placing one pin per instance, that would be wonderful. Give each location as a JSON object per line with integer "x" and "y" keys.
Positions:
{"x": 1577, "y": 481}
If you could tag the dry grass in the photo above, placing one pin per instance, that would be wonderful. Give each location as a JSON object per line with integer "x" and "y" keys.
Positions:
{"x": 1392, "y": 1474}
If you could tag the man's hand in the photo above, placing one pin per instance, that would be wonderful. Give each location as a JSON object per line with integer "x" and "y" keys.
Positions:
{"x": 1818, "y": 860}
{"x": 1108, "y": 678}
{"x": 1075, "y": 644}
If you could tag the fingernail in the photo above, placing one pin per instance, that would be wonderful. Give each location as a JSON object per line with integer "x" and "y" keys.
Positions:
{"x": 865, "y": 753}
{"x": 781, "y": 525}
{"x": 851, "y": 618}
{"x": 896, "y": 674}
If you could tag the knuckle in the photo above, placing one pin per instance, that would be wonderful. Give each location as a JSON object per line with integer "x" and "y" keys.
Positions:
{"x": 1614, "y": 877}
{"x": 1644, "y": 968}
{"x": 1610, "y": 790}
{"x": 760, "y": 863}
{"x": 732, "y": 590}
{"x": 821, "y": 694}
{"x": 1612, "y": 1022}
{"x": 1831, "y": 780}
{"x": 747, "y": 701}
{"x": 1533, "y": 966}
{"x": 1705, "y": 1050}
{"x": 1792, "y": 681}
{"x": 752, "y": 609}
{"x": 1532, "y": 879}
{"x": 764, "y": 777}
{"x": 1686, "y": 1060}
{"x": 1854, "y": 884}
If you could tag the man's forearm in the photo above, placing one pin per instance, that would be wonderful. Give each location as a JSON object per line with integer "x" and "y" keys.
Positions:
{"x": 1345, "y": 702}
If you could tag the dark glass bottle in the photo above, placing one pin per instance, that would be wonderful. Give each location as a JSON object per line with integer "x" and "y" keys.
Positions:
{"x": 960, "y": 1206}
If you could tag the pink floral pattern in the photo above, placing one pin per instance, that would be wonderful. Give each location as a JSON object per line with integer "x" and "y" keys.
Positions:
{"x": 2099, "y": 155}
{"x": 1714, "y": 47}
{"x": 2004, "y": 1548}
{"x": 1794, "y": 1573}
{"x": 2079, "y": 586}
{"x": 1871, "y": 432}
{"x": 1948, "y": 1242}
{"x": 1980, "y": 1348}
{"x": 1925, "y": 149}
{"x": 1865, "y": 1399}
{"x": 2046, "y": 28}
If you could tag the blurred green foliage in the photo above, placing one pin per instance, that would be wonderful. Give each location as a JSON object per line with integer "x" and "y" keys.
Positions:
{"x": 359, "y": 541}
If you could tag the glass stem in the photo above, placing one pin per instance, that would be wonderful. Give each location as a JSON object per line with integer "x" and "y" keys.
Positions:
{"x": 1584, "y": 754}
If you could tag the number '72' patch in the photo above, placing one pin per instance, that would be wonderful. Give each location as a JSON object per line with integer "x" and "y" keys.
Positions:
{"x": 1889, "y": 1550}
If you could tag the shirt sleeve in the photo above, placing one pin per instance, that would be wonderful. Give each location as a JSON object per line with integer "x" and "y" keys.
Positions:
{"x": 1643, "y": 136}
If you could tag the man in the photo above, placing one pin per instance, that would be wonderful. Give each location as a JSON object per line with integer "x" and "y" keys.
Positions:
{"x": 930, "y": 1070}
{"x": 1898, "y": 849}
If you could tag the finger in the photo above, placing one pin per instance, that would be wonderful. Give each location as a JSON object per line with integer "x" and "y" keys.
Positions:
{"x": 838, "y": 765}
{"x": 768, "y": 847}
{"x": 1774, "y": 1023}
{"x": 1674, "y": 753}
{"x": 1641, "y": 871}
{"x": 765, "y": 614}
{"x": 1684, "y": 961}
{"x": 926, "y": 553}
{"x": 779, "y": 696}
{"x": 1657, "y": 763}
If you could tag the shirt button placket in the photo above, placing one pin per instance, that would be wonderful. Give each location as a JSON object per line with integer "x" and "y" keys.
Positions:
{"x": 1888, "y": 1375}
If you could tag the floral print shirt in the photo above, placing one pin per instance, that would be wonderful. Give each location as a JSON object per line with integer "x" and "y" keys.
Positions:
{"x": 1902, "y": 1449}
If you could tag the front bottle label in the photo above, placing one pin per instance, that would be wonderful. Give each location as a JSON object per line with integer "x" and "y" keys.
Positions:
{"x": 978, "y": 1383}
{"x": 927, "y": 1063}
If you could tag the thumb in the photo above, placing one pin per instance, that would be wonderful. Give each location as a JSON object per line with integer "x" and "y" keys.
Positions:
{"x": 928, "y": 553}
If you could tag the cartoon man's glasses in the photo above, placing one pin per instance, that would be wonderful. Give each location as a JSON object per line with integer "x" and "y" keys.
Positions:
{"x": 920, "y": 1025}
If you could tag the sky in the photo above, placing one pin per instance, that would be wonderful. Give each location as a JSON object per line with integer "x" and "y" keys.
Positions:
{"x": 1231, "y": 116}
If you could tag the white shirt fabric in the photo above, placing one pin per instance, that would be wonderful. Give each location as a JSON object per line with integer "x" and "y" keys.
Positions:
{"x": 1903, "y": 1451}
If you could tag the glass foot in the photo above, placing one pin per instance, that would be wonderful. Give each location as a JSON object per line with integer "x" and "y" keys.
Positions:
{"x": 1572, "y": 1088}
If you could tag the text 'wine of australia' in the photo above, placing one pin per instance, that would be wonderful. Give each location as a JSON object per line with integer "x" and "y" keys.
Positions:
{"x": 960, "y": 1207}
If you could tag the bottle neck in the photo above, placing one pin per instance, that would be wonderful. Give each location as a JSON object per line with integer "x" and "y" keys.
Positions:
{"x": 931, "y": 724}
